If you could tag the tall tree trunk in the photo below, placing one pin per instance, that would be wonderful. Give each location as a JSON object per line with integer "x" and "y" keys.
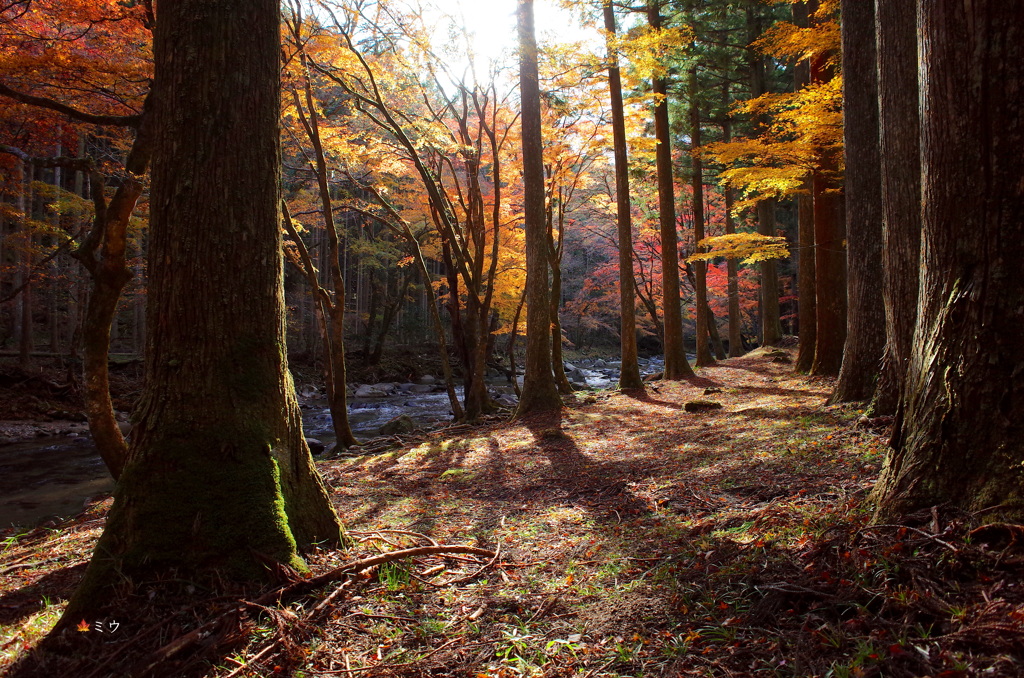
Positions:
{"x": 865, "y": 322}
{"x": 219, "y": 475}
{"x": 806, "y": 288}
{"x": 959, "y": 443}
{"x": 807, "y": 309}
{"x": 829, "y": 255}
{"x": 896, "y": 30}
{"x": 676, "y": 364}
{"x": 540, "y": 393}
{"x": 732, "y": 266}
{"x": 629, "y": 374}
{"x": 703, "y": 311}
{"x": 771, "y": 325}
{"x": 26, "y": 337}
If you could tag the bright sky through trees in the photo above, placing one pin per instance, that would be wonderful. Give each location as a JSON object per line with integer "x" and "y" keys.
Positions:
{"x": 492, "y": 25}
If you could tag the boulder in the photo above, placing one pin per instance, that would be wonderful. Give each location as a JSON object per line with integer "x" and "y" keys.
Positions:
{"x": 374, "y": 390}
{"x": 568, "y": 367}
{"x": 505, "y": 400}
{"x": 577, "y": 375}
{"x": 403, "y": 423}
{"x": 316, "y": 446}
{"x": 427, "y": 379}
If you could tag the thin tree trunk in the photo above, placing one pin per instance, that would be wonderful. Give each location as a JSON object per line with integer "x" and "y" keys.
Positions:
{"x": 333, "y": 304}
{"x": 807, "y": 309}
{"x": 732, "y": 266}
{"x": 807, "y": 301}
{"x": 704, "y": 319}
{"x": 109, "y": 273}
{"x": 555, "y": 258}
{"x": 771, "y": 326}
{"x": 26, "y": 338}
{"x": 629, "y": 375}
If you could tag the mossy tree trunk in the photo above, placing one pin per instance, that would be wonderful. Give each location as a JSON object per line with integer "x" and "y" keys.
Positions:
{"x": 959, "y": 441}
{"x": 219, "y": 476}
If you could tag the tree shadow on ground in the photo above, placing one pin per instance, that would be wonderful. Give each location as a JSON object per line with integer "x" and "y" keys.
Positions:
{"x": 53, "y": 587}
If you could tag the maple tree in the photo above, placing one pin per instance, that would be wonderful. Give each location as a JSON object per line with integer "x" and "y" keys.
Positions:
{"x": 330, "y": 303}
{"x": 455, "y": 146}
{"x": 49, "y": 48}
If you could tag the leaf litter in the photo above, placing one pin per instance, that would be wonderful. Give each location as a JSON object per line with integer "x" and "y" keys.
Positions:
{"x": 625, "y": 536}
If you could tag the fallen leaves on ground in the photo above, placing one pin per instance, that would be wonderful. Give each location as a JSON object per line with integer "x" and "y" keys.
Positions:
{"x": 636, "y": 539}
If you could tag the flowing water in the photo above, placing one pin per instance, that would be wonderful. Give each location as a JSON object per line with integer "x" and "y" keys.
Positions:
{"x": 56, "y": 476}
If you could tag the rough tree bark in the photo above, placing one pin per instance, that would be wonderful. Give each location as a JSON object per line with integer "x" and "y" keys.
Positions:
{"x": 865, "y": 320}
{"x": 629, "y": 375}
{"x": 829, "y": 254}
{"x": 771, "y": 324}
{"x": 959, "y": 443}
{"x": 896, "y": 31}
{"x": 540, "y": 394}
{"x": 219, "y": 475}
{"x": 676, "y": 364}
{"x": 807, "y": 304}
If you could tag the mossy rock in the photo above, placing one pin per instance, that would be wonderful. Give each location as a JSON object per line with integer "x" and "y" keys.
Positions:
{"x": 403, "y": 423}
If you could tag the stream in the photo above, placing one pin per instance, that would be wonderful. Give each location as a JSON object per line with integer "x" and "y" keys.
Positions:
{"x": 58, "y": 475}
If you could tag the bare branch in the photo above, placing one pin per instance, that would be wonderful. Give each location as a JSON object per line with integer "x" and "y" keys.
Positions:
{"x": 43, "y": 102}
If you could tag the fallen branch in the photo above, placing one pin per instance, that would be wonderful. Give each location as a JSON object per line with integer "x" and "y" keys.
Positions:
{"x": 291, "y": 589}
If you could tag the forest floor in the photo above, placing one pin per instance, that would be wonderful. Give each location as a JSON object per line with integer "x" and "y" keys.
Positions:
{"x": 631, "y": 537}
